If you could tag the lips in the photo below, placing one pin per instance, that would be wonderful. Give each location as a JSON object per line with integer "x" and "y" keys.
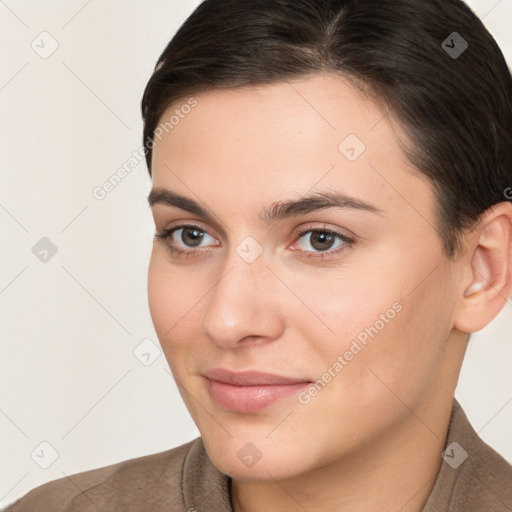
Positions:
{"x": 249, "y": 378}
{"x": 250, "y": 391}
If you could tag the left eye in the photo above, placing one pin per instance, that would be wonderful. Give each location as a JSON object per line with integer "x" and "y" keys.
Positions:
{"x": 322, "y": 240}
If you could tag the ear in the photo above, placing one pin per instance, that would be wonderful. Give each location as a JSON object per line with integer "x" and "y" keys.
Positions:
{"x": 487, "y": 277}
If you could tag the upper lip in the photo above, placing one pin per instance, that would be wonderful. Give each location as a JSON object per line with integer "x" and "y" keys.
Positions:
{"x": 249, "y": 378}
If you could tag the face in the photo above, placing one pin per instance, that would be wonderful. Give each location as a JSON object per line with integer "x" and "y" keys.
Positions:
{"x": 346, "y": 302}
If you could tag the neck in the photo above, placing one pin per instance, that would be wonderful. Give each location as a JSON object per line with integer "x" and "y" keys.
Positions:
{"x": 394, "y": 472}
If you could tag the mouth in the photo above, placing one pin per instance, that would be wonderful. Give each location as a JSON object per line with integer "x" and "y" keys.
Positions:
{"x": 251, "y": 391}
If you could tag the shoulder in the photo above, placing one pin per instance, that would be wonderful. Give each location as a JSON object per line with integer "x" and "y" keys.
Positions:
{"x": 489, "y": 479}
{"x": 484, "y": 478}
{"x": 151, "y": 482}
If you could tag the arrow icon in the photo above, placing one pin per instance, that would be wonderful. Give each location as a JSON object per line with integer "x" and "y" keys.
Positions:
{"x": 352, "y": 147}
{"x": 44, "y": 250}
{"x": 249, "y": 455}
{"x": 454, "y": 45}
{"x": 44, "y": 44}
{"x": 44, "y": 455}
{"x": 146, "y": 352}
{"x": 454, "y": 455}
{"x": 249, "y": 253}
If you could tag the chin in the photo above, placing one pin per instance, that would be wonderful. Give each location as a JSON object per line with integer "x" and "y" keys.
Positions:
{"x": 263, "y": 471}
{"x": 246, "y": 461}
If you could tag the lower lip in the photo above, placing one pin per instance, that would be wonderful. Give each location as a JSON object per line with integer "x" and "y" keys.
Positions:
{"x": 247, "y": 399}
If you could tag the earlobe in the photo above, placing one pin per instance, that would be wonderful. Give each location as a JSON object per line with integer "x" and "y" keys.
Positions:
{"x": 490, "y": 271}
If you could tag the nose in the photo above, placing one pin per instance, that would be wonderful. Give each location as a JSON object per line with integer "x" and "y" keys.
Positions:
{"x": 243, "y": 305}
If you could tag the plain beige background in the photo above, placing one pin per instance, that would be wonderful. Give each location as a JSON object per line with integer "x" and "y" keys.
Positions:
{"x": 83, "y": 384}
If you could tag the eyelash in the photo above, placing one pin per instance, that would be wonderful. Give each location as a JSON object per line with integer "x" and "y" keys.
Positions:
{"x": 167, "y": 234}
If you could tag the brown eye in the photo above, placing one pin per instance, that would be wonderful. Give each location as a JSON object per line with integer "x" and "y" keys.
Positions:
{"x": 185, "y": 240}
{"x": 192, "y": 236}
{"x": 322, "y": 243}
{"x": 322, "y": 240}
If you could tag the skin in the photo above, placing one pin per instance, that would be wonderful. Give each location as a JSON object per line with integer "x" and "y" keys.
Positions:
{"x": 381, "y": 422}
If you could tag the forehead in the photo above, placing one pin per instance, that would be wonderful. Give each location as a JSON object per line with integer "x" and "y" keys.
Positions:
{"x": 320, "y": 107}
{"x": 314, "y": 133}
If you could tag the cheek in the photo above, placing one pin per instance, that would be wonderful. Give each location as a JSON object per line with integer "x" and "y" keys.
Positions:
{"x": 356, "y": 306}
{"x": 172, "y": 297}
{"x": 386, "y": 330}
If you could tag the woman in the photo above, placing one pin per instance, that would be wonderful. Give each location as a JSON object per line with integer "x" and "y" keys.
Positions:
{"x": 331, "y": 196}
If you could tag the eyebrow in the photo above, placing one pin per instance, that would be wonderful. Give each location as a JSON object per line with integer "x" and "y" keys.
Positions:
{"x": 278, "y": 211}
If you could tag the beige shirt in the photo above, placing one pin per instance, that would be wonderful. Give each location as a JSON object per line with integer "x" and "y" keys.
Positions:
{"x": 184, "y": 479}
